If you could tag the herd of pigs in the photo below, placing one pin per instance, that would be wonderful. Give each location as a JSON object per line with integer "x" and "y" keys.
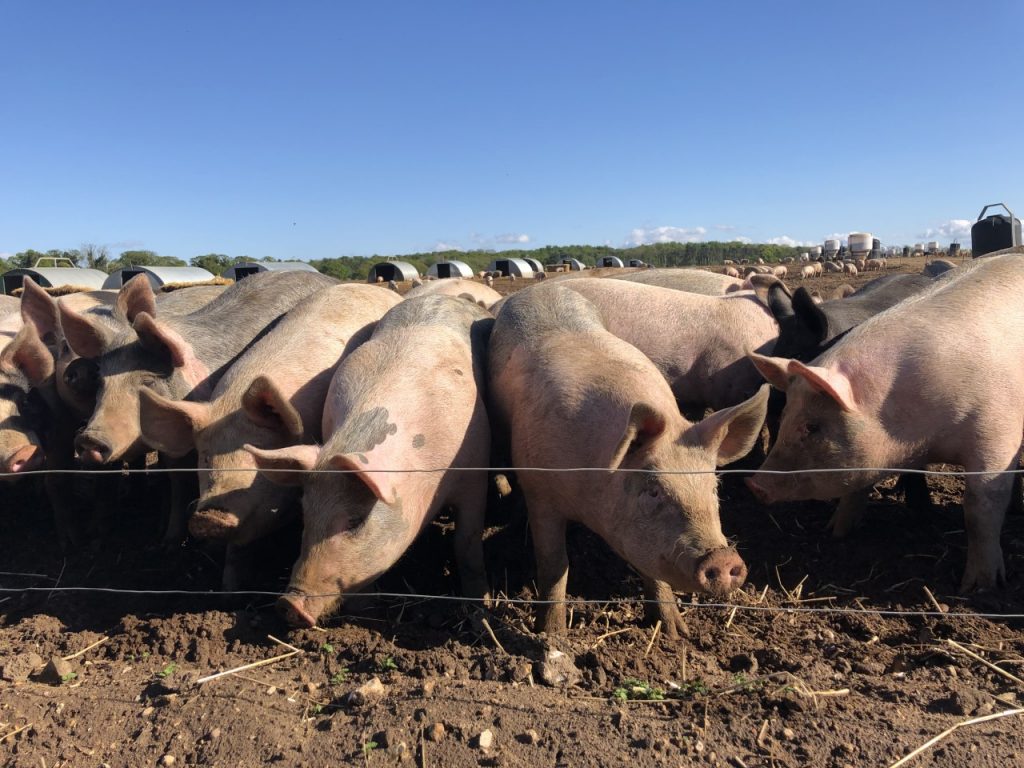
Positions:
{"x": 379, "y": 411}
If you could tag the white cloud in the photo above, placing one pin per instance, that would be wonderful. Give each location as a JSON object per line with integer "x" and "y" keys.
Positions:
{"x": 787, "y": 240}
{"x": 950, "y": 229}
{"x": 666, "y": 235}
{"x": 724, "y": 227}
{"x": 742, "y": 239}
{"x": 442, "y": 246}
{"x": 510, "y": 237}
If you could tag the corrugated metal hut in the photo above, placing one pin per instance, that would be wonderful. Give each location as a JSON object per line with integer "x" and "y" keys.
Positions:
{"x": 445, "y": 269}
{"x": 510, "y": 267}
{"x": 398, "y": 271}
{"x": 53, "y": 277}
{"x": 243, "y": 269}
{"x": 158, "y": 276}
{"x": 611, "y": 261}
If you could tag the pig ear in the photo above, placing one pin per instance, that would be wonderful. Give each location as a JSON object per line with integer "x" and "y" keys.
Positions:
{"x": 170, "y": 425}
{"x": 780, "y": 301}
{"x": 86, "y": 336}
{"x": 157, "y": 337}
{"x": 643, "y": 427}
{"x": 136, "y": 296}
{"x": 730, "y": 433}
{"x": 265, "y": 405}
{"x": 285, "y": 466}
{"x": 827, "y": 381}
{"x": 380, "y": 484}
{"x": 810, "y": 314}
{"x": 774, "y": 369}
{"x": 28, "y": 354}
{"x": 39, "y": 309}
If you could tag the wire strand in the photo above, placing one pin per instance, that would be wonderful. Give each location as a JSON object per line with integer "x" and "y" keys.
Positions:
{"x": 516, "y": 601}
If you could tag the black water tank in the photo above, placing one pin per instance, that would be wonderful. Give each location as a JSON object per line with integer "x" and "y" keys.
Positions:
{"x": 995, "y": 232}
{"x": 906, "y": 251}
{"x": 954, "y": 250}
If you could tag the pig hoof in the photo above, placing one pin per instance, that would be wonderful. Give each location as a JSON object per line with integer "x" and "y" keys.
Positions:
{"x": 212, "y": 524}
{"x": 293, "y": 610}
{"x": 982, "y": 579}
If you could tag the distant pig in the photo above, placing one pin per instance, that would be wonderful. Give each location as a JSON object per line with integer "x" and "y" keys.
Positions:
{"x": 483, "y": 295}
{"x": 689, "y": 280}
{"x": 936, "y": 379}
{"x": 271, "y": 398}
{"x": 572, "y": 395}
{"x": 403, "y": 416}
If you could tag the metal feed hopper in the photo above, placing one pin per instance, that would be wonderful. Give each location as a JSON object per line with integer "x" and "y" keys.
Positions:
{"x": 996, "y": 232}
{"x": 243, "y": 269}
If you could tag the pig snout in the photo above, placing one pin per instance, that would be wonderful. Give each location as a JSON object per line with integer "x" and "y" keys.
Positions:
{"x": 92, "y": 449}
{"x": 759, "y": 491}
{"x": 213, "y": 524}
{"x": 24, "y": 459}
{"x": 293, "y": 609}
{"x": 721, "y": 571}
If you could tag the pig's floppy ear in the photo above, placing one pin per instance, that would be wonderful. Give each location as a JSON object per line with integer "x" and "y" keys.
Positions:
{"x": 265, "y": 405}
{"x": 170, "y": 425}
{"x": 136, "y": 296}
{"x": 774, "y": 369}
{"x": 288, "y": 465}
{"x": 381, "y": 484}
{"x": 643, "y": 426}
{"x": 780, "y": 301}
{"x": 827, "y": 381}
{"x": 730, "y": 433}
{"x": 27, "y": 353}
{"x": 39, "y": 309}
{"x": 85, "y": 335}
{"x": 810, "y": 314}
{"x": 157, "y": 337}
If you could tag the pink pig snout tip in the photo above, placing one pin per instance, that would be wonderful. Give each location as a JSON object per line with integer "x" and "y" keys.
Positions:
{"x": 212, "y": 523}
{"x": 721, "y": 571}
{"x": 293, "y": 609}
{"x": 25, "y": 459}
{"x": 759, "y": 492}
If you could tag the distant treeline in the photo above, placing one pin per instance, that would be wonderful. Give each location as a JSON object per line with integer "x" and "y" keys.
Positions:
{"x": 357, "y": 267}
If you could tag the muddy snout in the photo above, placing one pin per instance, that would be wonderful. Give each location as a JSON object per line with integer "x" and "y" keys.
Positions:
{"x": 294, "y": 610}
{"x": 721, "y": 571}
{"x": 213, "y": 524}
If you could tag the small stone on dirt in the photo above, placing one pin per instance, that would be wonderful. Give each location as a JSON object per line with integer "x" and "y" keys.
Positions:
{"x": 558, "y": 670}
{"x": 58, "y": 671}
{"x": 167, "y": 760}
{"x": 17, "y": 668}
{"x": 213, "y": 735}
{"x": 367, "y": 693}
{"x": 428, "y": 688}
{"x": 788, "y": 734}
{"x": 530, "y": 737}
{"x": 485, "y": 740}
{"x": 436, "y": 732}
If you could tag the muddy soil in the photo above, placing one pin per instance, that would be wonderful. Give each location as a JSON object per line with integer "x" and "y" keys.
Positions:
{"x": 836, "y": 653}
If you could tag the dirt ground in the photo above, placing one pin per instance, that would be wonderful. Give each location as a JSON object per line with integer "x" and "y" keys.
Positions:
{"x": 808, "y": 670}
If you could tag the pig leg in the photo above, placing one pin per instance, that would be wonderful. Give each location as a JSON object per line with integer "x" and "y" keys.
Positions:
{"x": 985, "y": 502}
{"x": 180, "y": 490}
{"x": 662, "y": 607}
{"x": 548, "y": 531}
{"x": 849, "y": 512}
{"x": 469, "y": 534}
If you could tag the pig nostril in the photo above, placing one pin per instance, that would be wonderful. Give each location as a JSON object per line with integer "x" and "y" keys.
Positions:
{"x": 711, "y": 574}
{"x": 736, "y": 571}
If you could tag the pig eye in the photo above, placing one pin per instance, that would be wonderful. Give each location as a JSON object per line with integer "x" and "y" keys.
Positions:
{"x": 149, "y": 381}
{"x": 811, "y": 429}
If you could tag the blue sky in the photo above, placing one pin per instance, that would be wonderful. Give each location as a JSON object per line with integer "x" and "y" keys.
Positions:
{"x": 310, "y": 130}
